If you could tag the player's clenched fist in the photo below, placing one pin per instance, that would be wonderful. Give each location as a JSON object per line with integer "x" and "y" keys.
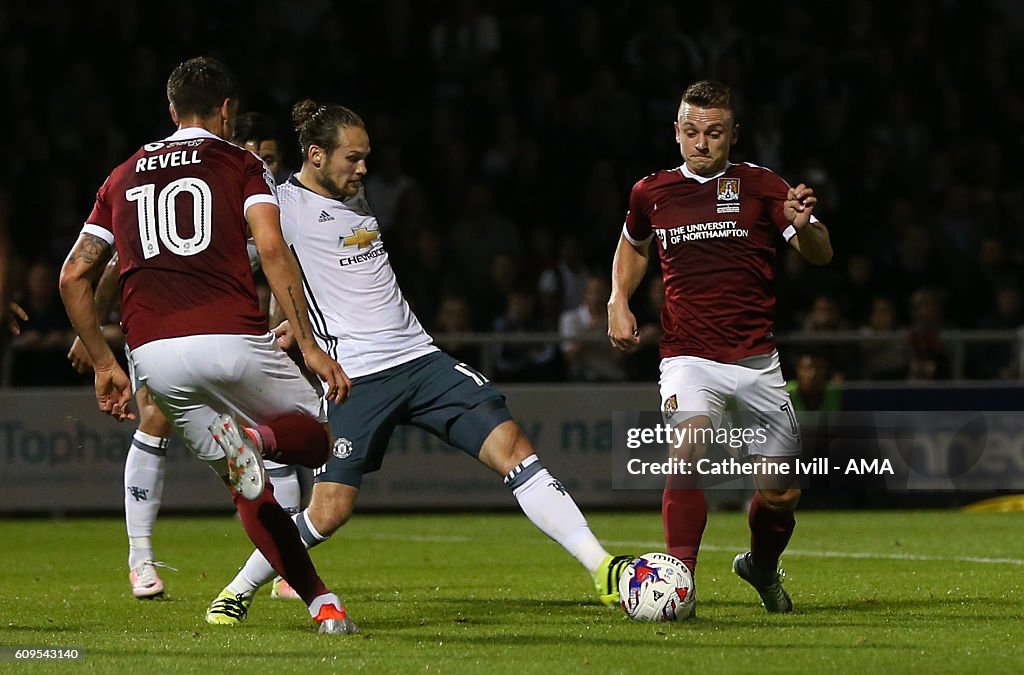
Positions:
{"x": 622, "y": 330}
{"x": 799, "y": 204}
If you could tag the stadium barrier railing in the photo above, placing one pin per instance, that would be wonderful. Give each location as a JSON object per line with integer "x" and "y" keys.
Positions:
{"x": 954, "y": 346}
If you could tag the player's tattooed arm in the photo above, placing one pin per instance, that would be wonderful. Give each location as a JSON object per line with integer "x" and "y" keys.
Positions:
{"x": 104, "y": 299}
{"x": 89, "y": 250}
{"x": 300, "y": 326}
{"x": 285, "y": 280}
{"x": 84, "y": 263}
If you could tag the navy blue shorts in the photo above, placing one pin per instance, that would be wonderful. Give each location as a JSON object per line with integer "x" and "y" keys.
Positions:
{"x": 435, "y": 392}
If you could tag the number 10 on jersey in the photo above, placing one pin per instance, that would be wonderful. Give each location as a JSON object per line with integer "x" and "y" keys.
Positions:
{"x": 158, "y": 220}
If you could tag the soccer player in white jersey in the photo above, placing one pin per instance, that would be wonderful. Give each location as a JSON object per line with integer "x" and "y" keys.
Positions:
{"x": 399, "y": 376}
{"x": 144, "y": 464}
{"x": 716, "y": 225}
{"x": 179, "y": 211}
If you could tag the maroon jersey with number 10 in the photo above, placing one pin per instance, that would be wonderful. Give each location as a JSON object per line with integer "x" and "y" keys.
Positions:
{"x": 176, "y": 213}
{"x": 716, "y": 240}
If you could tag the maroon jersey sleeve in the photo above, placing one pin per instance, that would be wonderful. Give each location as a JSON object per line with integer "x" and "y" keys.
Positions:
{"x": 100, "y": 216}
{"x": 260, "y": 185}
{"x": 776, "y": 189}
{"x": 638, "y": 224}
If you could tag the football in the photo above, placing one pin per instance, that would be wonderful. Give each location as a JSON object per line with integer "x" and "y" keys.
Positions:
{"x": 657, "y": 587}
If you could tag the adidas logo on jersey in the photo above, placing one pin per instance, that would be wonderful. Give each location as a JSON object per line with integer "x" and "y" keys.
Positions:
{"x": 324, "y": 217}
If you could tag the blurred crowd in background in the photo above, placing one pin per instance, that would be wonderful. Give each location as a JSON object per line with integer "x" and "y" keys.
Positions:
{"x": 506, "y": 137}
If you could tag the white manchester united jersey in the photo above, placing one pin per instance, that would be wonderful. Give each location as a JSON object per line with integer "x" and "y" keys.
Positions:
{"x": 358, "y": 313}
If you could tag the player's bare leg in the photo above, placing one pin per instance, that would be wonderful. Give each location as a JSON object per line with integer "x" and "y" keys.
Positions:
{"x": 548, "y": 505}
{"x": 330, "y": 507}
{"x": 144, "y": 486}
{"x": 684, "y": 509}
{"x": 508, "y": 452}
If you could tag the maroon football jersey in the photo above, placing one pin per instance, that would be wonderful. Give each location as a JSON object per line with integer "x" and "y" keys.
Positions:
{"x": 175, "y": 211}
{"x": 716, "y": 239}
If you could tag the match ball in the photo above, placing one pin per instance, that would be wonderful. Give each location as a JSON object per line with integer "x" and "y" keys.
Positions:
{"x": 657, "y": 587}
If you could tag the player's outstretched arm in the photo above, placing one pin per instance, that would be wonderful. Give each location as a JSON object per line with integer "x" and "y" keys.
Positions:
{"x": 811, "y": 240}
{"x": 282, "y": 272}
{"x": 83, "y": 264}
{"x": 628, "y": 269}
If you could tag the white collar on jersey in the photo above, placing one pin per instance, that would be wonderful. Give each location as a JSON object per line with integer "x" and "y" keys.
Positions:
{"x": 189, "y": 133}
{"x": 685, "y": 170}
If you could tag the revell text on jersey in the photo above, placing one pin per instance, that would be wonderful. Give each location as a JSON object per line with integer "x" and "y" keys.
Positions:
{"x": 179, "y": 158}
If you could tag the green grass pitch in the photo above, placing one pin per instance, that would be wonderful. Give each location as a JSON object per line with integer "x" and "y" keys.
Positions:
{"x": 878, "y": 592}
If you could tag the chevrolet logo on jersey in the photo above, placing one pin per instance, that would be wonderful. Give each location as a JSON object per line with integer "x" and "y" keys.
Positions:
{"x": 361, "y": 237}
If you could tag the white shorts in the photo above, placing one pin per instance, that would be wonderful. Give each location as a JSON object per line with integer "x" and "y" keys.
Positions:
{"x": 692, "y": 386}
{"x": 195, "y": 378}
{"x": 131, "y": 371}
{"x": 272, "y": 467}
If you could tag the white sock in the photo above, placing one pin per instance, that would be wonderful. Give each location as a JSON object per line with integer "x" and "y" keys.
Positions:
{"x": 548, "y": 506}
{"x": 140, "y": 549}
{"x": 143, "y": 490}
{"x": 287, "y": 490}
{"x": 257, "y": 571}
{"x": 321, "y": 600}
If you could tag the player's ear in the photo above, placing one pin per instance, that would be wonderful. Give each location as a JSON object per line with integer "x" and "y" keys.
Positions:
{"x": 735, "y": 134}
{"x": 174, "y": 113}
{"x": 316, "y": 156}
{"x": 675, "y": 126}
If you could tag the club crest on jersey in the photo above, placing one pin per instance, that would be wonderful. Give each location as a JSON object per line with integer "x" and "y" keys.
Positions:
{"x": 360, "y": 237}
{"x": 728, "y": 195}
{"x": 342, "y": 448}
{"x": 671, "y": 404}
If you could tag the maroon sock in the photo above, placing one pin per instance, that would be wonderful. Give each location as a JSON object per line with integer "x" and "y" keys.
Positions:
{"x": 684, "y": 514}
{"x": 295, "y": 439}
{"x": 277, "y": 538}
{"x": 770, "y": 531}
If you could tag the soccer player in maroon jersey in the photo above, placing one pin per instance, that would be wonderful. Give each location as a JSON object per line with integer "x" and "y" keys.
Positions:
{"x": 144, "y": 468}
{"x": 716, "y": 225}
{"x": 179, "y": 212}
